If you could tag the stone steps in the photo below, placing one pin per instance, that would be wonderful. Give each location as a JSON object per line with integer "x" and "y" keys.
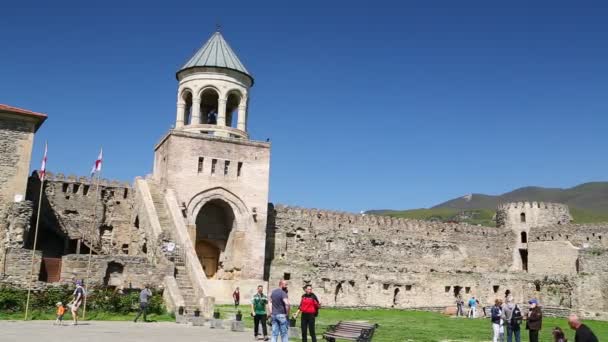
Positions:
{"x": 181, "y": 274}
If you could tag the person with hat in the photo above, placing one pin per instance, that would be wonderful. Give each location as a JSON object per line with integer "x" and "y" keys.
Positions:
{"x": 534, "y": 320}
{"x": 79, "y": 295}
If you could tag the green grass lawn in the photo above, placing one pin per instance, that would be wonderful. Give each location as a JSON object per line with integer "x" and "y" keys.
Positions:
{"x": 399, "y": 325}
{"x": 395, "y": 325}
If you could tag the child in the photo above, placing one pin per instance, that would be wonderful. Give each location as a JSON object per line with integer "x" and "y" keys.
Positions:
{"x": 60, "y": 313}
{"x": 558, "y": 335}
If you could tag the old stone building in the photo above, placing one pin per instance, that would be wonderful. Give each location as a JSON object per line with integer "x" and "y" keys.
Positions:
{"x": 17, "y": 128}
{"x": 200, "y": 225}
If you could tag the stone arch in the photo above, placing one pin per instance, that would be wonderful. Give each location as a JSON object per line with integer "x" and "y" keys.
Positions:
{"x": 214, "y": 224}
{"x": 224, "y": 217}
{"x": 522, "y": 217}
{"x": 186, "y": 97}
{"x": 234, "y": 99}
{"x": 209, "y": 103}
{"x": 238, "y": 206}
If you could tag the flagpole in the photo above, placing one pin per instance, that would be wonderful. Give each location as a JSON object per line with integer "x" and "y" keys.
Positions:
{"x": 29, "y": 283}
{"x": 86, "y": 283}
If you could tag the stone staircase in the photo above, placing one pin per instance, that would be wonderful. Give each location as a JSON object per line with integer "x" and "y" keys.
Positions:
{"x": 181, "y": 273}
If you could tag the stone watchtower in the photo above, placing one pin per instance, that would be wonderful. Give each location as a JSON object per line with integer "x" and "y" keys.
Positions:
{"x": 520, "y": 217}
{"x": 219, "y": 176}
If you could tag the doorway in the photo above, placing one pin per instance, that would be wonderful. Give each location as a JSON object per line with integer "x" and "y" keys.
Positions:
{"x": 213, "y": 227}
{"x": 523, "y": 254}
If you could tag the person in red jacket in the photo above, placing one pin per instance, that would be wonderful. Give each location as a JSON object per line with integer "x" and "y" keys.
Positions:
{"x": 309, "y": 307}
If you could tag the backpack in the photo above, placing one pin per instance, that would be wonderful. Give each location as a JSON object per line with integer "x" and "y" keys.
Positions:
{"x": 516, "y": 316}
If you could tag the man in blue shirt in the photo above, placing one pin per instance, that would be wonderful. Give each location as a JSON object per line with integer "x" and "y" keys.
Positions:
{"x": 279, "y": 311}
{"x": 472, "y": 308}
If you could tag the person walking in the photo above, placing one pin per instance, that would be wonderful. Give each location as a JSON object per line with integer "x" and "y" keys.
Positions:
{"x": 512, "y": 317}
{"x": 279, "y": 312}
{"x": 78, "y": 299}
{"x": 534, "y": 321}
{"x": 583, "y": 333}
{"x": 60, "y": 313}
{"x": 236, "y": 296}
{"x": 309, "y": 307}
{"x": 144, "y": 296}
{"x": 497, "y": 322}
{"x": 472, "y": 308}
{"x": 259, "y": 305}
{"x": 459, "y": 305}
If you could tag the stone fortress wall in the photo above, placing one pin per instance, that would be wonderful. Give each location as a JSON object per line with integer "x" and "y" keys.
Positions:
{"x": 67, "y": 235}
{"x": 352, "y": 260}
{"x": 368, "y": 260}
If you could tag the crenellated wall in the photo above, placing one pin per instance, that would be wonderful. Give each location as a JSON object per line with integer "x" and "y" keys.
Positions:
{"x": 532, "y": 214}
{"x": 71, "y": 204}
{"x": 368, "y": 260}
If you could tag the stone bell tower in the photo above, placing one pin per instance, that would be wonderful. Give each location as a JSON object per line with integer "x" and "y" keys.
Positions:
{"x": 219, "y": 176}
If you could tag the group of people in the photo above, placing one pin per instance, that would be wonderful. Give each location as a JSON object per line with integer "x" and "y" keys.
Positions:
{"x": 78, "y": 298}
{"x": 507, "y": 317}
{"x": 276, "y": 309}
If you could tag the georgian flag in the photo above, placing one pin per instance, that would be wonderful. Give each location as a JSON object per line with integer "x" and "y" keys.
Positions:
{"x": 42, "y": 171}
{"x": 97, "y": 164}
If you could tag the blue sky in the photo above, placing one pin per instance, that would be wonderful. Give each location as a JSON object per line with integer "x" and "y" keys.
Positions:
{"x": 368, "y": 104}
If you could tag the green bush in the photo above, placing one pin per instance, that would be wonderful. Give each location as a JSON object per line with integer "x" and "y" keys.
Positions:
{"x": 102, "y": 300}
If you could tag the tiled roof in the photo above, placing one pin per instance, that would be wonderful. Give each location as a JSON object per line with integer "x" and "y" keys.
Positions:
{"x": 20, "y": 111}
{"x": 216, "y": 53}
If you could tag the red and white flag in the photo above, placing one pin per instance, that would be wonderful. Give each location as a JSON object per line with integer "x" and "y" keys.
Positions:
{"x": 97, "y": 164}
{"x": 42, "y": 171}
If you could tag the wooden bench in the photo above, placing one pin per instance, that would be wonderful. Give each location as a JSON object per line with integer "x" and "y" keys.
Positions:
{"x": 351, "y": 331}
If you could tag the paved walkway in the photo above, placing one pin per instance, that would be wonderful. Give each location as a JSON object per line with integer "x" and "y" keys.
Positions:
{"x": 98, "y": 331}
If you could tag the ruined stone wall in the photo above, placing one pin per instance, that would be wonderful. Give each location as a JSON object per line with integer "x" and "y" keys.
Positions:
{"x": 580, "y": 235}
{"x": 15, "y": 266}
{"x": 367, "y": 260}
{"x": 15, "y": 224}
{"x": 120, "y": 271}
{"x": 552, "y": 257}
{"x": 382, "y": 261}
{"x": 69, "y": 209}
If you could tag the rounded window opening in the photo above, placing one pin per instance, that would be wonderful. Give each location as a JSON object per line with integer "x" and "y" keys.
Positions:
{"x": 187, "y": 98}
{"x": 524, "y": 237}
{"x": 232, "y": 109}
{"x": 522, "y": 217}
{"x": 209, "y": 101}
{"x": 214, "y": 223}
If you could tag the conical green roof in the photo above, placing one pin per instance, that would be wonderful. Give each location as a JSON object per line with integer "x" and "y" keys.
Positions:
{"x": 216, "y": 53}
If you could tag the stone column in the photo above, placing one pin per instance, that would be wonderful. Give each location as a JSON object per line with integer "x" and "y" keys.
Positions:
{"x": 221, "y": 112}
{"x": 242, "y": 119}
{"x": 179, "y": 121}
{"x": 196, "y": 111}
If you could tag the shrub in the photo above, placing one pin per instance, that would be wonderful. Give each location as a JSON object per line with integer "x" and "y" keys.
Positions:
{"x": 102, "y": 300}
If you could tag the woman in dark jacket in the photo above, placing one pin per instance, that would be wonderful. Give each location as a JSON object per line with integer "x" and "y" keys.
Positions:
{"x": 309, "y": 307}
{"x": 534, "y": 320}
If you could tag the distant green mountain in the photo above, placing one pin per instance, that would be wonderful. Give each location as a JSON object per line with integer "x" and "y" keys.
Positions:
{"x": 588, "y": 203}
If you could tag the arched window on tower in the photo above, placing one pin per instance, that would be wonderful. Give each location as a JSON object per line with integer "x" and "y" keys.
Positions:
{"x": 187, "y": 97}
{"x": 232, "y": 109}
{"x": 524, "y": 237}
{"x": 209, "y": 101}
{"x": 522, "y": 217}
